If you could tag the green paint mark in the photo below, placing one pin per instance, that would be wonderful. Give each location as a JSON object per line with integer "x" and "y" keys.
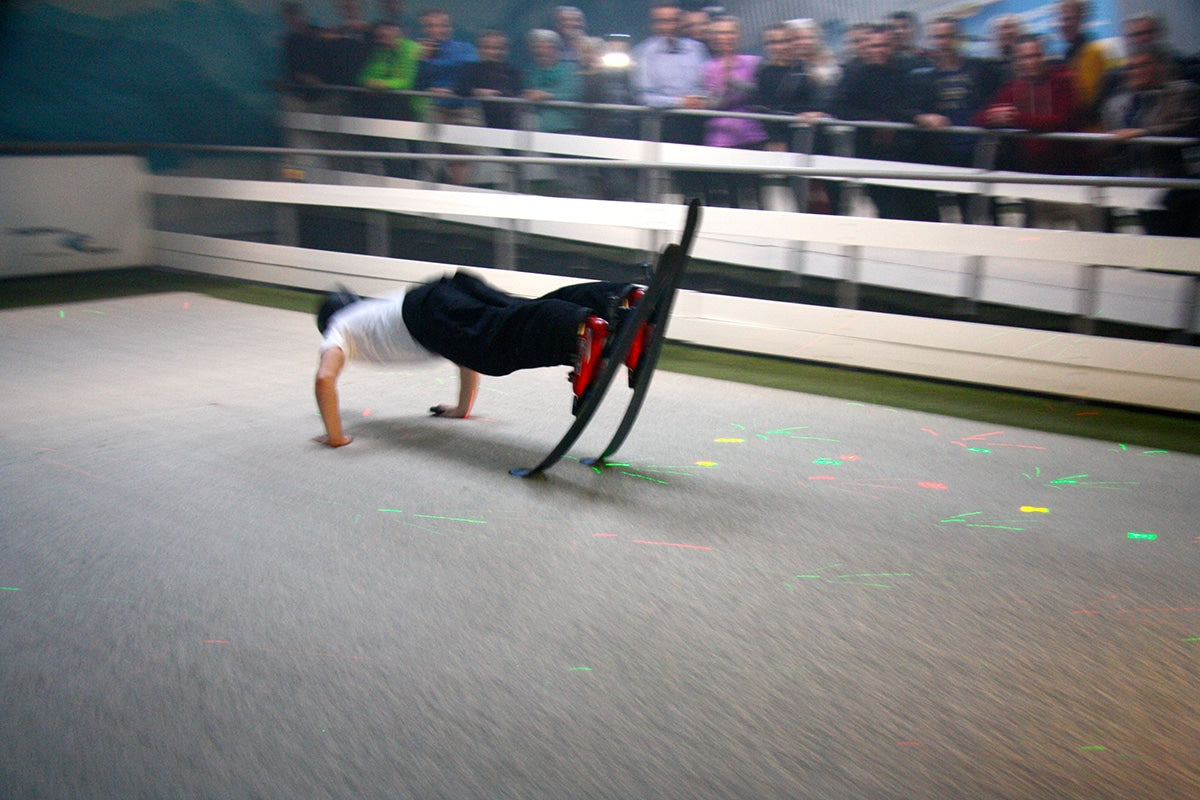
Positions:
{"x": 670, "y": 470}
{"x": 643, "y": 477}
{"x": 1078, "y": 480}
{"x": 791, "y": 588}
{"x": 581, "y": 669}
{"x": 357, "y": 517}
{"x": 1095, "y": 747}
{"x": 1140, "y": 535}
{"x": 452, "y": 519}
{"x": 389, "y": 510}
{"x": 1155, "y": 452}
{"x": 9, "y": 589}
{"x": 828, "y": 462}
{"x": 1192, "y": 639}
{"x": 959, "y": 518}
{"x": 62, "y": 314}
{"x": 978, "y": 450}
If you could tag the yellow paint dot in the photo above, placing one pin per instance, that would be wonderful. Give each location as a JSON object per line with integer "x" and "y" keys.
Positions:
{"x": 706, "y": 463}
{"x": 729, "y": 441}
{"x": 1035, "y": 510}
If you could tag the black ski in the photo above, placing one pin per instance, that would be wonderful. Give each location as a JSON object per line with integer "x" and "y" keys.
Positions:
{"x": 659, "y": 297}
{"x": 639, "y": 378}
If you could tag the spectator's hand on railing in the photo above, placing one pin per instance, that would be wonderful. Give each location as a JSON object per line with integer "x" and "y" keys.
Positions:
{"x": 811, "y": 116}
{"x": 1003, "y": 116}
{"x": 536, "y": 95}
{"x": 695, "y": 101}
{"x": 1125, "y": 134}
{"x": 441, "y": 91}
{"x": 931, "y": 121}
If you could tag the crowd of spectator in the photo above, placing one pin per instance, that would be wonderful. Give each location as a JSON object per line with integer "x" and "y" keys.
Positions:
{"x": 698, "y": 59}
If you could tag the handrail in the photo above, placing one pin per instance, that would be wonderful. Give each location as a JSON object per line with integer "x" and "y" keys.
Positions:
{"x": 970, "y": 176}
{"x": 768, "y": 117}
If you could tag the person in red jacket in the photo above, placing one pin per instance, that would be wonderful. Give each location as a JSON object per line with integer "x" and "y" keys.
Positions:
{"x": 1038, "y": 99}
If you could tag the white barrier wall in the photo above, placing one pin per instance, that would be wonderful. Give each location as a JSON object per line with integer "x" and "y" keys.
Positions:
{"x": 72, "y": 213}
{"x": 1139, "y": 373}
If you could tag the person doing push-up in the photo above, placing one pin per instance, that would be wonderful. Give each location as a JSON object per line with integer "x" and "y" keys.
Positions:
{"x": 476, "y": 326}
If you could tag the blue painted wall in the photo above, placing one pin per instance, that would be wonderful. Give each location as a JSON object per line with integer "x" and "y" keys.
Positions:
{"x": 181, "y": 71}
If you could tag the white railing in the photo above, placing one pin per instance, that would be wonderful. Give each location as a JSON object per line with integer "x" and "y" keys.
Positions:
{"x": 1088, "y": 271}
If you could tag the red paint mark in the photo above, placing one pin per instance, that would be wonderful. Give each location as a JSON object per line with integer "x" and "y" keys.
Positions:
{"x": 821, "y": 478}
{"x": 1154, "y": 610}
{"x": 76, "y": 469}
{"x": 909, "y": 744}
{"x": 1143, "y": 355}
{"x": 603, "y": 534}
{"x": 981, "y": 436}
{"x": 931, "y": 433}
{"x": 823, "y": 336}
{"x": 849, "y": 458}
{"x": 672, "y": 544}
{"x": 187, "y": 305}
{"x": 366, "y": 412}
{"x": 931, "y": 485}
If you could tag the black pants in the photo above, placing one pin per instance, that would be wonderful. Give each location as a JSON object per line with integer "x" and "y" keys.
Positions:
{"x": 482, "y": 328}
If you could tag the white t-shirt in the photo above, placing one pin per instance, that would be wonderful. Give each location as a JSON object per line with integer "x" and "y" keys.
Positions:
{"x": 373, "y": 329}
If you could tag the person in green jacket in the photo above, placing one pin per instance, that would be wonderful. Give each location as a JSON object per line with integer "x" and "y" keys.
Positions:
{"x": 391, "y": 65}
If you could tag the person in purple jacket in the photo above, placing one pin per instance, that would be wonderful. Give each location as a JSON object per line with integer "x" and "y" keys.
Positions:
{"x": 730, "y": 81}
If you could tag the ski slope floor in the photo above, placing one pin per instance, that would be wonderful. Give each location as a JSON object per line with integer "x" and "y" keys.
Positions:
{"x": 772, "y": 595}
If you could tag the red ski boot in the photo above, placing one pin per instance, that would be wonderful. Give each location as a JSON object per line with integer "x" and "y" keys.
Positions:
{"x": 588, "y": 357}
{"x": 639, "y": 341}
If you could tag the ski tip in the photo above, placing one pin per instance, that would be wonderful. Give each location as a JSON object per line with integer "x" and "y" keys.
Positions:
{"x": 527, "y": 472}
